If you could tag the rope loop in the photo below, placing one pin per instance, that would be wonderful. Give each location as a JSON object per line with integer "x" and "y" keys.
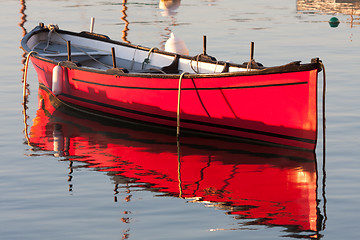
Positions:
{"x": 52, "y": 28}
{"x": 147, "y": 60}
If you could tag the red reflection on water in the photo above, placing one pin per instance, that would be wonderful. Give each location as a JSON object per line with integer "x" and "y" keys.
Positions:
{"x": 259, "y": 184}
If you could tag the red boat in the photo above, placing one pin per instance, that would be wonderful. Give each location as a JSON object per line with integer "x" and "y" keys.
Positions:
{"x": 256, "y": 184}
{"x": 93, "y": 73}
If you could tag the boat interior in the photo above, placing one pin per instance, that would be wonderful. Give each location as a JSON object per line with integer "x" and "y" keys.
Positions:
{"x": 103, "y": 55}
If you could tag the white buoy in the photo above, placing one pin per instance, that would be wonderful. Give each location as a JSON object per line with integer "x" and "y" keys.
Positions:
{"x": 57, "y": 78}
{"x": 176, "y": 45}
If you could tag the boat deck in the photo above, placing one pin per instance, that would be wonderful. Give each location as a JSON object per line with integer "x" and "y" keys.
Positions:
{"x": 91, "y": 58}
{"x": 89, "y": 53}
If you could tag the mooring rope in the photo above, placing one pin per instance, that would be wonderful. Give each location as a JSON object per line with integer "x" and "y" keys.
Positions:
{"x": 324, "y": 147}
{"x": 178, "y": 106}
{"x": 179, "y": 167}
{"x": 323, "y": 99}
{"x": 24, "y": 95}
{"x": 25, "y": 73}
{"x": 26, "y": 133}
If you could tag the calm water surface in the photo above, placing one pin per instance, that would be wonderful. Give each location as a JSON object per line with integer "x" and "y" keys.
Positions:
{"x": 66, "y": 176}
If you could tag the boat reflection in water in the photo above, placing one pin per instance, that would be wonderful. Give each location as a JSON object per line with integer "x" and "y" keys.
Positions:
{"x": 345, "y": 7}
{"x": 256, "y": 184}
{"x": 348, "y": 7}
{"x": 169, "y": 6}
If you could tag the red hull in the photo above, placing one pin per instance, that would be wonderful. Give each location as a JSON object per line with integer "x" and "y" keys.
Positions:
{"x": 266, "y": 185}
{"x": 278, "y": 108}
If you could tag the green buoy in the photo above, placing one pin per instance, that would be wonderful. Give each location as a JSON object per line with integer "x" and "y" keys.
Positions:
{"x": 334, "y": 22}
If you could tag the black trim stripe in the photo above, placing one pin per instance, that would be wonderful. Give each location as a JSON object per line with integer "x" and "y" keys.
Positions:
{"x": 42, "y": 69}
{"x": 305, "y": 140}
{"x": 210, "y": 88}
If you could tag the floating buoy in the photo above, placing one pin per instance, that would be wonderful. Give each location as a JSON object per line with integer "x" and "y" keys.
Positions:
{"x": 334, "y": 22}
{"x": 57, "y": 77}
{"x": 176, "y": 45}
